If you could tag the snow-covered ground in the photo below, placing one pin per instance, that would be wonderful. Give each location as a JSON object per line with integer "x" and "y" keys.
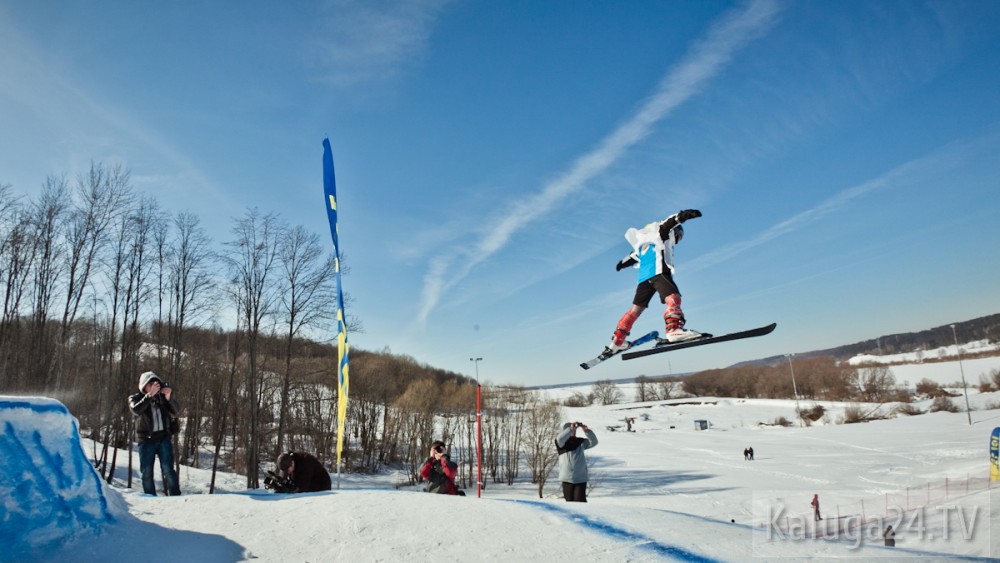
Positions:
{"x": 664, "y": 492}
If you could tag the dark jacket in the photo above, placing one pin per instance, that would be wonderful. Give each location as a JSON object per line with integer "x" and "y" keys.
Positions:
{"x": 310, "y": 476}
{"x": 142, "y": 407}
{"x": 440, "y": 477}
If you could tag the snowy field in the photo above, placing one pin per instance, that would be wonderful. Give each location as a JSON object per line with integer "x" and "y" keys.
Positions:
{"x": 664, "y": 492}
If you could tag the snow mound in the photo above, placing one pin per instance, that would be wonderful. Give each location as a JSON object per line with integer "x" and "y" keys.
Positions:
{"x": 50, "y": 491}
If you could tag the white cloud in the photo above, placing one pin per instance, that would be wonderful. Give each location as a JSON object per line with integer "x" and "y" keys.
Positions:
{"x": 365, "y": 41}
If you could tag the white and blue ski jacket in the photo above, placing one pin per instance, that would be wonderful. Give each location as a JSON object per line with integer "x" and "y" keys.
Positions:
{"x": 652, "y": 248}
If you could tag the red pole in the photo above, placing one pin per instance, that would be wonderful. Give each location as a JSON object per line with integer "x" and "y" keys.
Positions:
{"x": 479, "y": 441}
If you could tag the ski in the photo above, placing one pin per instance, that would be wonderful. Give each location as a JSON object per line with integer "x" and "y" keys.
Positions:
{"x": 637, "y": 342}
{"x": 666, "y": 346}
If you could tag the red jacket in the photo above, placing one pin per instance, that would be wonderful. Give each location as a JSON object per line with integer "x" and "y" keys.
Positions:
{"x": 440, "y": 476}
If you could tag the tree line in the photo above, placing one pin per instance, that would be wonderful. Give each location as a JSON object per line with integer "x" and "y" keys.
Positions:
{"x": 818, "y": 378}
{"x": 99, "y": 284}
{"x": 815, "y": 378}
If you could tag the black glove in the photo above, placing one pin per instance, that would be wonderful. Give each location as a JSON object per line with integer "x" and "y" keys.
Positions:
{"x": 620, "y": 266}
{"x": 687, "y": 214}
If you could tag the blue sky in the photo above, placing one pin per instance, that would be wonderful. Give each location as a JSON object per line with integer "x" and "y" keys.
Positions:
{"x": 491, "y": 155}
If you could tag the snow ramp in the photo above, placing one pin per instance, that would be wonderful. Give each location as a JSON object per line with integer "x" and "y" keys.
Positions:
{"x": 50, "y": 492}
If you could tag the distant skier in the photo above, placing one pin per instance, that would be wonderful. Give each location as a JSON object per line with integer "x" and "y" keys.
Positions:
{"x": 750, "y": 453}
{"x": 890, "y": 537}
{"x": 815, "y": 506}
{"x": 653, "y": 253}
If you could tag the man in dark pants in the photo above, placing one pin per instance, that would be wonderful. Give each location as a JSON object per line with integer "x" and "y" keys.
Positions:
{"x": 154, "y": 409}
{"x": 572, "y": 461}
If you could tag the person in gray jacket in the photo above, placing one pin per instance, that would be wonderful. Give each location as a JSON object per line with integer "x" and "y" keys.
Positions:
{"x": 572, "y": 460}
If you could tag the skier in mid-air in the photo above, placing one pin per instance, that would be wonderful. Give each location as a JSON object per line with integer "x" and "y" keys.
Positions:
{"x": 653, "y": 255}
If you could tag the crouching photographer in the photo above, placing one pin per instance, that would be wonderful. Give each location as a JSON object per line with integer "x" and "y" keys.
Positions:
{"x": 440, "y": 471}
{"x": 299, "y": 473}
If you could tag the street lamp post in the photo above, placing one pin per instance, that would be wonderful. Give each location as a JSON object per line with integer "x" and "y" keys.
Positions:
{"x": 795, "y": 389}
{"x": 479, "y": 431}
{"x": 965, "y": 388}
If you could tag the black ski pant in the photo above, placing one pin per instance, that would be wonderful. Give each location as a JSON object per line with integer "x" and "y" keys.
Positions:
{"x": 575, "y": 492}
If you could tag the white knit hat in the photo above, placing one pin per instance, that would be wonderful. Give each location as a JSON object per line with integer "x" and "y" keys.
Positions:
{"x": 145, "y": 378}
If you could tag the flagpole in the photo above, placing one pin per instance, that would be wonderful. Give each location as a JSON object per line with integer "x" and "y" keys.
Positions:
{"x": 343, "y": 356}
{"x": 479, "y": 431}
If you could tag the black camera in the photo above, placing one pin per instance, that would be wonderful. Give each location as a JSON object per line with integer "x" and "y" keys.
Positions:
{"x": 277, "y": 483}
{"x": 439, "y": 449}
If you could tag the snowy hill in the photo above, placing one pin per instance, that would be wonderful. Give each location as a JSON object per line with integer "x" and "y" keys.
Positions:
{"x": 930, "y": 343}
{"x": 664, "y": 492}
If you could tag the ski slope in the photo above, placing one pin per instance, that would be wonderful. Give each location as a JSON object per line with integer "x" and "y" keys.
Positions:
{"x": 666, "y": 492}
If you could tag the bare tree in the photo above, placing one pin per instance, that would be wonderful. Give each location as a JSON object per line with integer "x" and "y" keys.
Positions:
{"x": 494, "y": 426}
{"x": 129, "y": 279}
{"x": 372, "y": 384}
{"x": 607, "y": 393}
{"x": 540, "y": 452}
{"x": 644, "y": 389}
{"x": 222, "y": 392}
{"x": 18, "y": 248}
{"x": 875, "y": 384}
{"x": 307, "y": 299}
{"x": 517, "y": 404}
{"x": 252, "y": 262}
{"x": 665, "y": 389}
{"x": 101, "y": 194}
{"x": 49, "y": 217}
{"x": 190, "y": 285}
{"x": 189, "y": 278}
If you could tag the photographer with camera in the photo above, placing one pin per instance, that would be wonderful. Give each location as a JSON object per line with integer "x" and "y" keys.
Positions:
{"x": 572, "y": 461}
{"x": 300, "y": 473}
{"x": 155, "y": 413}
{"x": 440, "y": 472}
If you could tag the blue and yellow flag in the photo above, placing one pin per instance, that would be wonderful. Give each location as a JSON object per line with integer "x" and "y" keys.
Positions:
{"x": 995, "y": 455}
{"x": 343, "y": 381}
